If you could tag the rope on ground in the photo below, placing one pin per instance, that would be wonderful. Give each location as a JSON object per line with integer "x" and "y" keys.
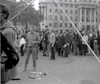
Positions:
{"x": 45, "y": 71}
{"x": 78, "y": 31}
{"x": 61, "y": 67}
{"x": 56, "y": 78}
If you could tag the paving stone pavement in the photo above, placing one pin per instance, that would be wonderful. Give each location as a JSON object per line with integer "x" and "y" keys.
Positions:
{"x": 63, "y": 70}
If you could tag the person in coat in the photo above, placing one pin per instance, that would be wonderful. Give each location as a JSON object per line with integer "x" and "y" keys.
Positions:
{"x": 9, "y": 31}
{"x": 59, "y": 43}
{"x": 68, "y": 41}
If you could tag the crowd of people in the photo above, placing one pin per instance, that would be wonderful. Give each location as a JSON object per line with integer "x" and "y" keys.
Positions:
{"x": 66, "y": 41}
{"x": 49, "y": 41}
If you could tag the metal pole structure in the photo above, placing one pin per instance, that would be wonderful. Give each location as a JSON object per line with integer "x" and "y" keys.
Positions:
{"x": 58, "y": 10}
{"x": 21, "y": 10}
{"x": 78, "y": 31}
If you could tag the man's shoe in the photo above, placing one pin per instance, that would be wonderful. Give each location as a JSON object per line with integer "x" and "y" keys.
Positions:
{"x": 15, "y": 79}
{"x": 51, "y": 58}
{"x": 44, "y": 55}
{"x": 34, "y": 69}
{"x": 24, "y": 70}
{"x": 48, "y": 55}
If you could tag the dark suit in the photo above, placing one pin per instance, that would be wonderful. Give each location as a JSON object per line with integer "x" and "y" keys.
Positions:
{"x": 59, "y": 44}
{"x": 68, "y": 40}
{"x": 62, "y": 43}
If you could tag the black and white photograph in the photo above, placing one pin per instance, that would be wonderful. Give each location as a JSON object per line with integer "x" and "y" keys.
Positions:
{"x": 50, "y": 41}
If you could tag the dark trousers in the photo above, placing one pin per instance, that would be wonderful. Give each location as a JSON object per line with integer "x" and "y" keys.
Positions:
{"x": 21, "y": 50}
{"x": 40, "y": 46}
{"x": 44, "y": 48}
{"x": 37, "y": 52}
{"x": 80, "y": 49}
{"x": 52, "y": 52}
{"x": 59, "y": 51}
{"x": 99, "y": 50}
{"x": 3, "y": 78}
{"x": 66, "y": 51}
{"x": 91, "y": 45}
{"x": 84, "y": 49}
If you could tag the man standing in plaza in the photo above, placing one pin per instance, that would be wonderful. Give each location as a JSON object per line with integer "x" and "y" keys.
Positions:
{"x": 32, "y": 39}
{"x": 52, "y": 44}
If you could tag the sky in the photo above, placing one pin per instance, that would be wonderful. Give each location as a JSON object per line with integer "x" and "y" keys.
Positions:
{"x": 36, "y": 6}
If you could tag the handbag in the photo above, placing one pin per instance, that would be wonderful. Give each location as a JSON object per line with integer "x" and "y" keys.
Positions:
{"x": 12, "y": 56}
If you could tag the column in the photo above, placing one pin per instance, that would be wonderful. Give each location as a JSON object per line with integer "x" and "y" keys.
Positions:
{"x": 85, "y": 14}
{"x": 90, "y": 14}
{"x": 46, "y": 12}
{"x": 40, "y": 11}
{"x": 94, "y": 15}
{"x": 80, "y": 14}
{"x": 43, "y": 13}
{"x": 43, "y": 10}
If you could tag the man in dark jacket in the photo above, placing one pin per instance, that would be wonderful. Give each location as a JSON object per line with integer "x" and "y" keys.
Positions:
{"x": 68, "y": 41}
{"x": 8, "y": 30}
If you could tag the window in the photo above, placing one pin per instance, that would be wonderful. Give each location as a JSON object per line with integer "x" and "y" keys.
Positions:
{"x": 70, "y": 0}
{"x": 60, "y": 11}
{"x": 66, "y": 19}
{"x": 76, "y": 25}
{"x": 96, "y": 20}
{"x": 50, "y": 17}
{"x": 55, "y": 17}
{"x": 60, "y": 24}
{"x": 55, "y": 24}
{"x": 66, "y": 25}
{"x": 71, "y": 18}
{"x": 61, "y": 18}
{"x": 75, "y": 6}
{"x": 61, "y": 5}
{"x": 94, "y": 1}
{"x": 71, "y": 5}
{"x": 75, "y": 18}
{"x": 66, "y": 11}
{"x": 89, "y": 0}
{"x": 66, "y": 5}
{"x": 70, "y": 25}
{"x": 49, "y": 24}
{"x": 50, "y": 10}
{"x": 55, "y": 10}
{"x": 75, "y": 11}
{"x": 96, "y": 13}
{"x": 71, "y": 11}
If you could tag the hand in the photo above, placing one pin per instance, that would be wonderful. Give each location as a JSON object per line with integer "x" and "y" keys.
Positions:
{"x": 35, "y": 42}
{"x": 52, "y": 45}
{"x": 65, "y": 45}
{"x": 23, "y": 48}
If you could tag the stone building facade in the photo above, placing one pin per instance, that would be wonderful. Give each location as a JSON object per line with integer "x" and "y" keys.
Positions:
{"x": 85, "y": 14}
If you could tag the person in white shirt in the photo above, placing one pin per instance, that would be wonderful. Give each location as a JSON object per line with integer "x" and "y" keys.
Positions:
{"x": 32, "y": 39}
{"x": 21, "y": 44}
{"x": 84, "y": 46}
